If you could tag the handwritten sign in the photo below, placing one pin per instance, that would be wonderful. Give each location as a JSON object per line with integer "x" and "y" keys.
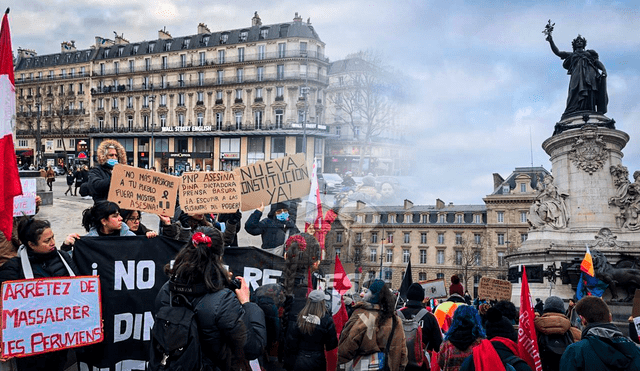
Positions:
{"x": 269, "y": 182}
{"x": 144, "y": 190}
{"x": 26, "y": 204}
{"x": 494, "y": 289}
{"x": 49, "y": 314}
{"x": 434, "y": 289}
{"x": 209, "y": 192}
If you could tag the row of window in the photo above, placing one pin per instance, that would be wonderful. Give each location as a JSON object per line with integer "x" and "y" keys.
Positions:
{"x": 440, "y": 257}
{"x": 49, "y": 90}
{"x": 500, "y": 216}
{"x": 459, "y": 240}
{"x": 424, "y": 219}
{"x": 51, "y": 75}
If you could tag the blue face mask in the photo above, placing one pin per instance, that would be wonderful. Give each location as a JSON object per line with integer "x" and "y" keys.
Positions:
{"x": 112, "y": 162}
{"x": 283, "y": 216}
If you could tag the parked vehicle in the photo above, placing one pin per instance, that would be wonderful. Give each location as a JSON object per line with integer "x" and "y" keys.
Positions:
{"x": 58, "y": 170}
{"x": 329, "y": 182}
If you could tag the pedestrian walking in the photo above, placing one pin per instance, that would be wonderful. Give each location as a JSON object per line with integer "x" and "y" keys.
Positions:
{"x": 70, "y": 179}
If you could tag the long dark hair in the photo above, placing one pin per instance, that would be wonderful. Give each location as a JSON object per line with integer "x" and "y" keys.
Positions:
{"x": 92, "y": 217}
{"x": 387, "y": 304}
{"x": 300, "y": 257}
{"x": 198, "y": 262}
{"x": 30, "y": 230}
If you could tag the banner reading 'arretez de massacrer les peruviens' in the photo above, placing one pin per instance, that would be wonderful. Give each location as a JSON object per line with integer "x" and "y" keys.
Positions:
{"x": 269, "y": 182}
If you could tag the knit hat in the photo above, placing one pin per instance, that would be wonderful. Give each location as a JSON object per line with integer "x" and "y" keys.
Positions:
{"x": 318, "y": 296}
{"x": 415, "y": 292}
{"x": 375, "y": 288}
{"x": 553, "y": 304}
{"x": 498, "y": 325}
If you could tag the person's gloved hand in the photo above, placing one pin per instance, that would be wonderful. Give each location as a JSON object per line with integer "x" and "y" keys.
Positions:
{"x": 236, "y": 217}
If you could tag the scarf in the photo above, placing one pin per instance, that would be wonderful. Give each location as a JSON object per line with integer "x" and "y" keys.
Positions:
{"x": 486, "y": 358}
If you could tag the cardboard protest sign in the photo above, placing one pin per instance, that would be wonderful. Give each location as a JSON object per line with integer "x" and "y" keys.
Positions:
{"x": 269, "y": 182}
{"x": 434, "y": 289}
{"x": 150, "y": 191}
{"x": 26, "y": 204}
{"x": 49, "y": 314}
{"x": 210, "y": 192}
{"x": 494, "y": 289}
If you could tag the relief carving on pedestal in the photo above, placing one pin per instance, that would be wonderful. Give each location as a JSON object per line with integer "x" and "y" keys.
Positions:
{"x": 606, "y": 239}
{"x": 548, "y": 210}
{"x": 589, "y": 152}
{"x": 627, "y": 198}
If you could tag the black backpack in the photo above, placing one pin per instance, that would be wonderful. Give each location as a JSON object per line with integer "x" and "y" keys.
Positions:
{"x": 552, "y": 347}
{"x": 175, "y": 342}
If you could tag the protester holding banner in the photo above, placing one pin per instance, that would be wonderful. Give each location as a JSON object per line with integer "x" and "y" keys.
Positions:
{"x": 38, "y": 251}
{"x": 110, "y": 152}
{"x": 184, "y": 225}
{"x": 466, "y": 332}
{"x": 103, "y": 219}
{"x": 374, "y": 327}
{"x": 314, "y": 333}
{"x": 275, "y": 229}
{"x": 132, "y": 220}
{"x": 232, "y": 329}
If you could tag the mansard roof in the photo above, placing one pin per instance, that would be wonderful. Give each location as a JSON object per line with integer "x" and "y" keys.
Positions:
{"x": 535, "y": 173}
{"x": 53, "y": 60}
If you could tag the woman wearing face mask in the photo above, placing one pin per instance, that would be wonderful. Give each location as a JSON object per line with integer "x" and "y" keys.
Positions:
{"x": 43, "y": 260}
{"x": 132, "y": 220}
{"x": 110, "y": 153}
{"x": 275, "y": 229}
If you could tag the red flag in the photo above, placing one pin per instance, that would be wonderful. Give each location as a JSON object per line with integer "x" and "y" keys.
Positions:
{"x": 340, "y": 280}
{"x": 527, "y": 339}
{"x": 10, "y": 183}
{"x": 341, "y": 284}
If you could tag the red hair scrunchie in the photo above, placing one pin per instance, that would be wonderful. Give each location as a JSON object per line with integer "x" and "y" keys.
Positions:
{"x": 199, "y": 238}
{"x": 302, "y": 243}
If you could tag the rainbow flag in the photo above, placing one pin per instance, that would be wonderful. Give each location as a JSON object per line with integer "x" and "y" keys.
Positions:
{"x": 587, "y": 264}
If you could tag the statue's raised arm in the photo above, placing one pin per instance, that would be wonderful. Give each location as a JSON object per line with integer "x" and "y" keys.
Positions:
{"x": 587, "y": 85}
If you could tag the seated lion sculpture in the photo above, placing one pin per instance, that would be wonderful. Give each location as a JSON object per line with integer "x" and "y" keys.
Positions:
{"x": 628, "y": 278}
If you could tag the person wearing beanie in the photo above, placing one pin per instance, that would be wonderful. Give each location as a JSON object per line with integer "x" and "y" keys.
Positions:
{"x": 499, "y": 349}
{"x": 554, "y": 324}
{"x": 431, "y": 335}
{"x": 275, "y": 229}
{"x": 456, "y": 286}
{"x": 465, "y": 333}
{"x": 371, "y": 326}
{"x": 603, "y": 347}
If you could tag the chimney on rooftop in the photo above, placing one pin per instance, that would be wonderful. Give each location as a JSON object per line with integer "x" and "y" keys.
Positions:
{"x": 101, "y": 42}
{"x": 120, "y": 40}
{"x": 297, "y": 18}
{"x": 360, "y": 205}
{"x": 497, "y": 180}
{"x": 202, "y": 28}
{"x": 408, "y": 204}
{"x": 256, "y": 21}
{"x": 163, "y": 34}
{"x": 68, "y": 46}
{"x": 439, "y": 204}
{"x": 26, "y": 53}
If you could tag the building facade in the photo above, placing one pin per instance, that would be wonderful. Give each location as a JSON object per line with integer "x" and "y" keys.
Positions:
{"x": 213, "y": 100}
{"x": 440, "y": 240}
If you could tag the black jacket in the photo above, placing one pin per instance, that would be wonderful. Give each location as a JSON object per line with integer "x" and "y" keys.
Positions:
{"x": 430, "y": 330}
{"x": 70, "y": 178}
{"x": 99, "y": 182}
{"x": 43, "y": 265}
{"x": 271, "y": 229}
{"x": 227, "y": 328}
{"x": 307, "y": 350}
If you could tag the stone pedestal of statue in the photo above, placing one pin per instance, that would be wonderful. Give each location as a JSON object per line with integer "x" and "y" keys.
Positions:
{"x": 586, "y": 156}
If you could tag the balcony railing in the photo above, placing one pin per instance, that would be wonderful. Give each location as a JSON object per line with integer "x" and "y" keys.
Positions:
{"x": 35, "y": 79}
{"x": 212, "y": 82}
{"x": 228, "y": 59}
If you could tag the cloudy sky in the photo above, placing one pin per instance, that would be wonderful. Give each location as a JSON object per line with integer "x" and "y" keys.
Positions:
{"x": 488, "y": 89}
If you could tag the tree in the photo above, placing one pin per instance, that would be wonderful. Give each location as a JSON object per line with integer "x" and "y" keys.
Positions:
{"x": 468, "y": 256}
{"x": 62, "y": 108}
{"x": 367, "y": 98}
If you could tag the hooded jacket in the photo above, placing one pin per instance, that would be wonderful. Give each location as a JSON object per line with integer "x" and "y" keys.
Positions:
{"x": 100, "y": 176}
{"x": 360, "y": 337}
{"x": 272, "y": 230}
{"x": 603, "y": 347}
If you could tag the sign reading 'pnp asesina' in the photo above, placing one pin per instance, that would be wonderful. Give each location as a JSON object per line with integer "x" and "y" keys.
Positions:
{"x": 49, "y": 314}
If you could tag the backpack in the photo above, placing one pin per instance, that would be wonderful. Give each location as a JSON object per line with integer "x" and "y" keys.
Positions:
{"x": 175, "y": 342}
{"x": 552, "y": 347}
{"x": 270, "y": 298}
{"x": 509, "y": 362}
{"x": 413, "y": 333}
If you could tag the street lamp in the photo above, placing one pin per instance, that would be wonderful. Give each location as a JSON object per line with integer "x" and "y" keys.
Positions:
{"x": 38, "y": 135}
{"x": 152, "y": 150}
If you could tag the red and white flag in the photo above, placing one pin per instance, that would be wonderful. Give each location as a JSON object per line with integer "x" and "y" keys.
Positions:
{"x": 341, "y": 284}
{"x": 10, "y": 183}
{"x": 527, "y": 339}
{"x": 313, "y": 215}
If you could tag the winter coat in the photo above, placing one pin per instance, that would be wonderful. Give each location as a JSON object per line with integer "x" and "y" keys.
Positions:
{"x": 503, "y": 352}
{"x": 183, "y": 229}
{"x": 603, "y": 347}
{"x": 228, "y": 330}
{"x": 99, "y": 182}
{"x": 124, "y": 231}
{"x": 555, "y": 324}
{"x": 272, "y": 230}
{"x": 431, "y": 334}
{"x": 450, "y": 358}
{"x": 70, "y": 178}
{"x": 43, "y": 265}
{"x": 360, "y": 337}
{"x": 51, "y": 176}
{"x": 79, "y": 176}
{"x": 307, "y": 350}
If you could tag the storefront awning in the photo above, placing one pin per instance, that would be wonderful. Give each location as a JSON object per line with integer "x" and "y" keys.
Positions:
{"x": 24, "y": 153}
